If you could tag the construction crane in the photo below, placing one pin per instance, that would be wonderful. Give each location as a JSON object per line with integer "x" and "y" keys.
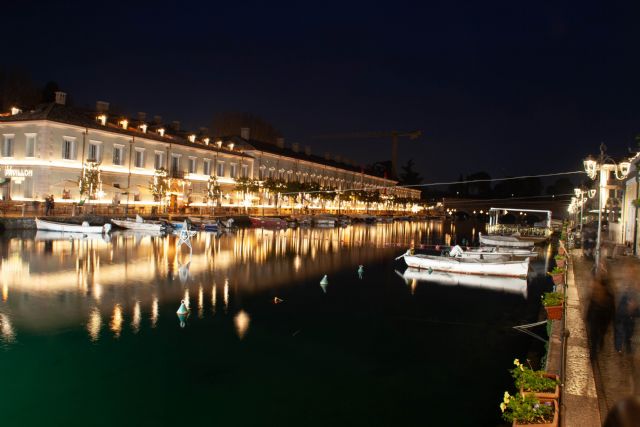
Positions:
{"x": 371, "y": 135}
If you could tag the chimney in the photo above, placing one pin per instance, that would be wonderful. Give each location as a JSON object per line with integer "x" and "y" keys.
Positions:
{"x": 175, "y": 125}
{"x": 280, "y": 142}
{"x": 142, "y": 116}
{"x": 295, "y": 147}
{"x": 307, "y": 150}
{"x": 61, "y": 97}
{"x": 245, "y": 133}
{"x": 157, "y": 120}
{"x": 327, "y": 155}
{"x": 102, "y": 106}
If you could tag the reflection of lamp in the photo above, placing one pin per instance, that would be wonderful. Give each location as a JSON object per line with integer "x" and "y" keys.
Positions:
{"x": 605, "y": 164}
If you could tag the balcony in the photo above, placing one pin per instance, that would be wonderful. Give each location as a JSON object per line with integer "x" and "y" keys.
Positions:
{"x": 176, "y": 174}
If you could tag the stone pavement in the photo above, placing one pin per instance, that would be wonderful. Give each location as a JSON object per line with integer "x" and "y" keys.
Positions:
{"x": 591, "y": 390}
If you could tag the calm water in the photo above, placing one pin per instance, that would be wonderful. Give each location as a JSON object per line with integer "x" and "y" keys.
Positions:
{"x": 89, "y": 333}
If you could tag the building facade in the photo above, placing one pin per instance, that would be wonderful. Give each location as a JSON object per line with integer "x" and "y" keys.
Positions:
{"x": 47, "y": 150}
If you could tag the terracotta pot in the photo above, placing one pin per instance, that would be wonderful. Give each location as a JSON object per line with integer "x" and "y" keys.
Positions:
{"x": 545, "y": 395}
{"x": 562, "y": 251}
{"x": 552, "y": 423}
{"x": 560, "y": 263}
{"x": 558, "y": 279}
{"x": 554, "y": 312}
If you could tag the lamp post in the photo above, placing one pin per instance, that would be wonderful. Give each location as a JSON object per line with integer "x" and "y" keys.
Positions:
{"x": 581, "y": 199}
{"x": 605, "y": 165}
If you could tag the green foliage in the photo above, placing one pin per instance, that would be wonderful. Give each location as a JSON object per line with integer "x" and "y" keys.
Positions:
{"x": 89, "y": 182}
{"x": 159, "y": 186}
{"x": 636, "y": 203}
{"x": 556, "y": 270}
{"x": 559, "y": 257}
{"x": 529, "y": 380}
{"x": 526, "y": 409}
{"x": 214, "y": 192}
{"x": 551, "y": 299}
{"x": 274, "y": 185}
{"x": 247, "y": 185}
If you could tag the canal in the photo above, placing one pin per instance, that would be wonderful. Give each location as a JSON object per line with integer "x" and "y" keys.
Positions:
{"x": 89, "y": 333}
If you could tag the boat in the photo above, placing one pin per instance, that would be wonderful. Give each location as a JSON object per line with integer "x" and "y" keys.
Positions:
{"x": 505, "y": 241}
{"x": 205, "y": 225}
{"x": 45, "y": 235}
{"x": 516, "y": 252}
{"x": 140, "y": 224}
{"x": 495, "y": 283}
{"x": 41, "y": 224}
{"x": 458, "y": 252}
{"x": 323, "y": 221}
{"x": 447, "y": 264}
{"x": 268, "y": 221}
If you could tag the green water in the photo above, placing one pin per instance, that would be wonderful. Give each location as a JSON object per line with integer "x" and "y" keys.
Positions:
{"x": 89, "y": 334}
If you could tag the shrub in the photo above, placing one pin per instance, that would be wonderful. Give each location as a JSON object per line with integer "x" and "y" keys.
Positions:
{"x": 551, "y": 299}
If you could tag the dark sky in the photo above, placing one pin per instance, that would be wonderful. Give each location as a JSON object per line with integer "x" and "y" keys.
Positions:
{"x": 510, "y": 87}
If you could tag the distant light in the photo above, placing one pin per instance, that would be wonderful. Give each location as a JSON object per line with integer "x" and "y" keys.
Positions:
{"x": 192, "y": 138}
{"x": 124, "y": 123}
{"x": 231, "y": 146}
{"x": 143, "y": 128}
{"x": 161, "y": 131}
{"x": 102, "y": 118}
{"x": 206, "y": 141}
{"x": 219, "y": 144}
{"x": 15, "y": 110}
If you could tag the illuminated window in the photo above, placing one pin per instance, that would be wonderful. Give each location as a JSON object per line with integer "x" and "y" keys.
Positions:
{"x": 139, "y": 158}
{"x": 95, "y": 152}
{"x": 7, "y": 146}
{"x": 175, "y": 163}
{"x": 30, "y": 148}
{"x": 233, "y": 169}
{"x": 206, "y": 167}
{"x": 245, "y": 171}
{"x": 69, "y": 149}
{"x": 118, "y": 155}
{"x": 192, "y": 164}
{"x": 159, "y": 160}
{"x": 220, "y": 169}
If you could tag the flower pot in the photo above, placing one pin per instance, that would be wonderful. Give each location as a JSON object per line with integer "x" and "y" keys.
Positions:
{"x": 562, "y": 251}
{"x": 554, "y": 312}
{"x": 560, "y": 263}
{"x": 542, "y": 394}
{"x": 552, "y": 423}
{"x": 558, "y": 279}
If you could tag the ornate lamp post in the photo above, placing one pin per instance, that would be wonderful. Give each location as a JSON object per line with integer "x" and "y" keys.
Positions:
{"x": 605, "y": 165}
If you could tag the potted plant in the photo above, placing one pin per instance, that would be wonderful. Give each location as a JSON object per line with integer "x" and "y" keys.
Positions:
{"x": 527, "y": 409}
{"x": 539, "y": 383}
{"x": 553, "y": 302}
{"x": 557, "y": 274}
{"x": 560, "y": 261}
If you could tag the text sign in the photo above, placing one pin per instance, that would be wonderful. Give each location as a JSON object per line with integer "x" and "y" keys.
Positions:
{"x": 18, "y": 173}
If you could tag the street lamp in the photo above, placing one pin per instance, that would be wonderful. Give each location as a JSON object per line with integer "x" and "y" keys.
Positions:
{"x": 581, "y": 200}
{"x": 605, "y": 165}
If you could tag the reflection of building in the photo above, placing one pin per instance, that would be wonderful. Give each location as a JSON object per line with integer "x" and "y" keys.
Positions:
{"x": 46, "y": 150}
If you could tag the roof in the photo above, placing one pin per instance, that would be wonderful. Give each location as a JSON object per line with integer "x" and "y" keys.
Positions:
{"x": 86, "y": 118}
{"x": 300, "y": 155}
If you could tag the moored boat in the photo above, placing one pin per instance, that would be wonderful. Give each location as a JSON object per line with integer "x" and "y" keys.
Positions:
{"x": 458, "y": 252}
{"x": 505, "y": 241}
{"x": 42, "y": 224}
{"x": 324, "y": 221}
{"x": 267, "y": 221}
{"x": 468, "y": 265}
{"x": 140, "y": 224}
{"x": 516, "y": 252}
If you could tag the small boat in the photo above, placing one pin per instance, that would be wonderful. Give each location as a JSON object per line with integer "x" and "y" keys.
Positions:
{"x": 323, "y": 221}
{"x": 494, "y": 283}
{"x": 458, "y": 252}
{"x": 269, "y": 222}
{"x": 71, "y": 228}
{"x": 516, "y": 252}
{"x": 468, "y": 265}
{"x": 505, "y": 241}
{"x": 205, "y": 225}
{"x": 140, "y": 224}
{"x": 303, "y": 221}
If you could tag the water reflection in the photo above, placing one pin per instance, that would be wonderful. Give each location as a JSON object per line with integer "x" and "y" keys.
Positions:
{"x": 493, "y": 283}
{"x": 8, "y": 334}
{"x": 242, "y": 321}
{"x": 133, "y": 272}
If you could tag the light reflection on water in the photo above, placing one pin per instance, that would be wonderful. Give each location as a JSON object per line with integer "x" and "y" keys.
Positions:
{"x": 131, "y": 276}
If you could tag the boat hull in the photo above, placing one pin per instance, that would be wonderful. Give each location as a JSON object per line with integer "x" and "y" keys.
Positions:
{"x": 469, "y": 265}
{"x": 67, "y": 228}
{"x": 139, "y": 226}
{"x": 505, "y": 241}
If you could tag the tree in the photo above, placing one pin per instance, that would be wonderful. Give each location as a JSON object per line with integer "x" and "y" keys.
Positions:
{"x": 89, "y": 183}
{"x": 275, "y": 187}
{"x": 408, "y": 176}
{"x": 214, "y": 191}
{"x": 159, "y": 186}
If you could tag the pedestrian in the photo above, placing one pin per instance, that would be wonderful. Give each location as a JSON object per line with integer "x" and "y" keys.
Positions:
{"x": 627, "y": 310}
{"x": 599, "y": 313}
{"x": 52, "y": 203}
{"x": 47, "y": 206}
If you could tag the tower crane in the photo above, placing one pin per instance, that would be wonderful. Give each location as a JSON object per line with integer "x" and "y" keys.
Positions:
{"x": 394, "y": 134}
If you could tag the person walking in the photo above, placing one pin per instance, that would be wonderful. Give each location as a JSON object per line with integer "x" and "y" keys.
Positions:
{"x": 47, "y": 205}
{"x": 627, "y": 309}
{"x": 599, "y": 313}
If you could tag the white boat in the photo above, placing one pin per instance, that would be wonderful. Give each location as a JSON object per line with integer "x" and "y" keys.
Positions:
{"x": 505, "y": 241}
{"x": 323, "y": 221}
{"x": 468, "y": 265}
{"x": 71, "y": 228}
{"x": 139, "y": 224}
{"x": 516, "y": 252}
{"x": 458, "y": 252}
{"x": 495, "y": 283}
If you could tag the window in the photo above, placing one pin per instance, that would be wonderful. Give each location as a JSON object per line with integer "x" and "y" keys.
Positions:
{"x": 118, "y": 155}
{"x": 139, "y": 159}
{"x": 158, "y": 162}
{"x": 272, "y": 173}
{"x": 245, "y": 171}
{"x": 30, "y": 148}
{"x": 192, "y": 165}
{"x": 206, "y": 167}
{"x": 69, "y": 149}
{"x": 261, "y": 173}
{"x": 95, "y": 152}
{"x": 232, "y": 170}
{"x": 220, "y": 169}
{"x": 175, "y": 163}
{"x": 7, "y": 146}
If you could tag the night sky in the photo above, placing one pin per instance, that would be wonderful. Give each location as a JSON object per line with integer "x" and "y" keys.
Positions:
{"x": 510, "y": 88}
